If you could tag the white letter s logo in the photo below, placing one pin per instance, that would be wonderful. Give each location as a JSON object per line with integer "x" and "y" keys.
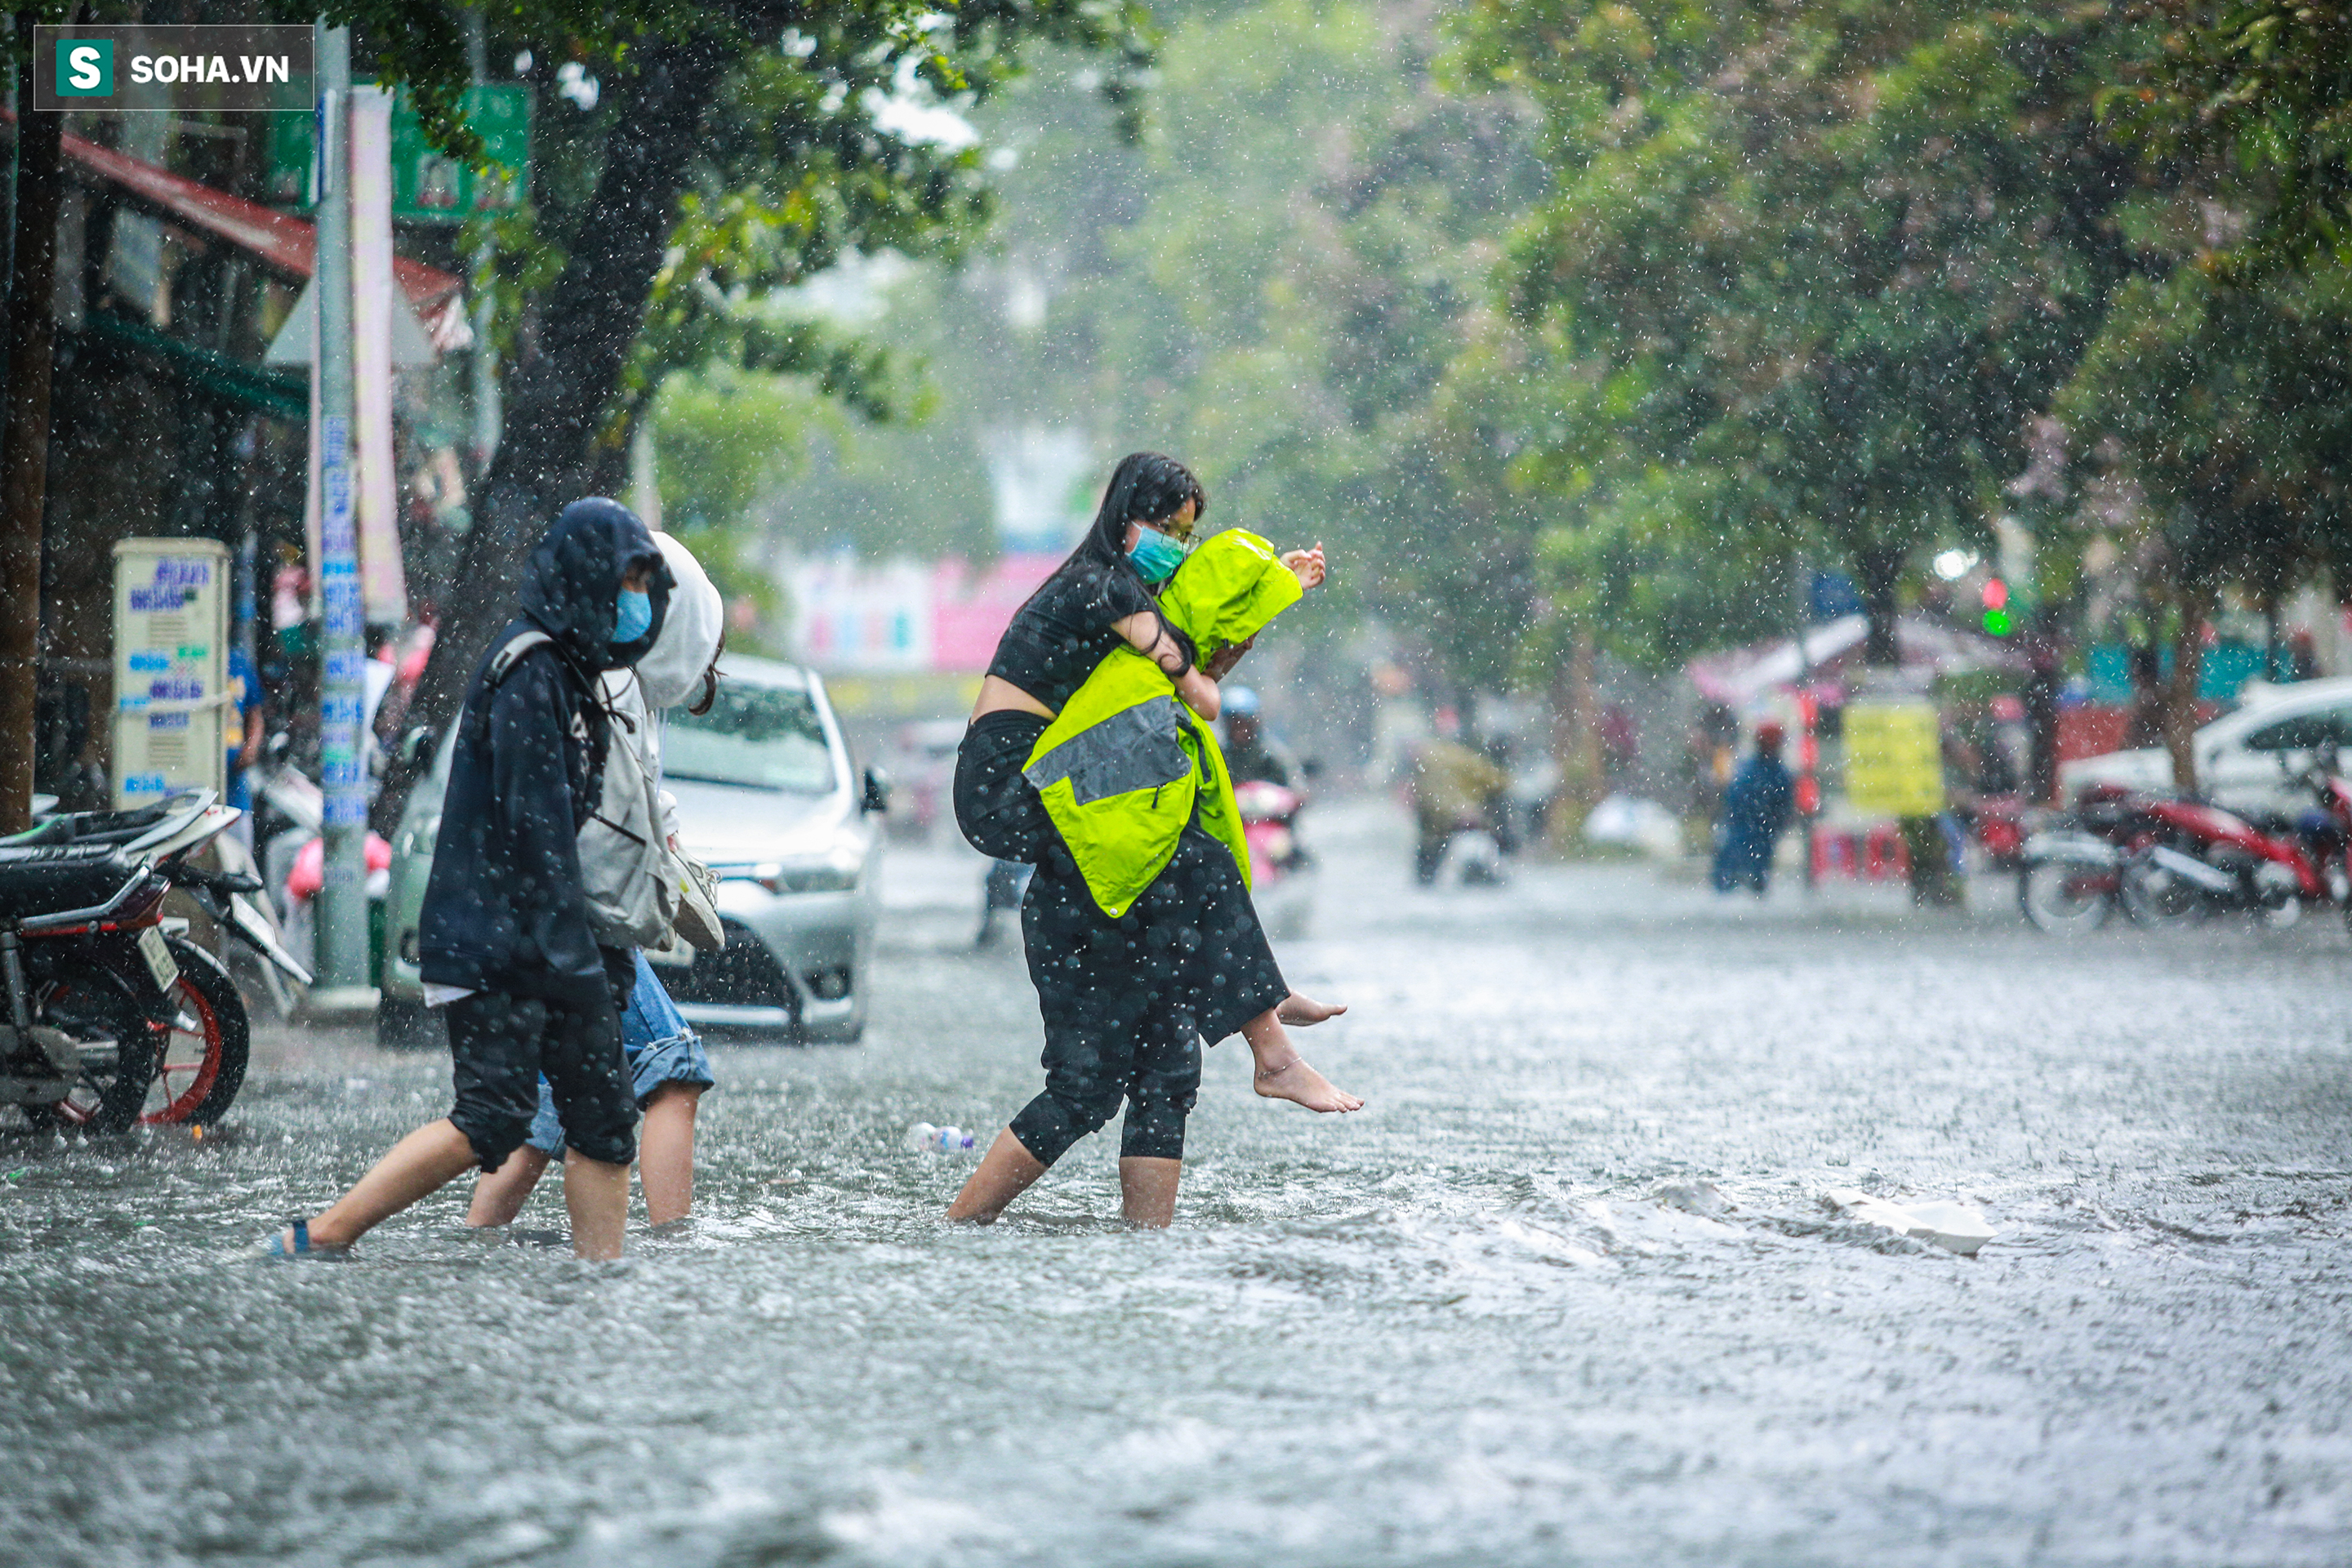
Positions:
{"x": 82, "y": 69}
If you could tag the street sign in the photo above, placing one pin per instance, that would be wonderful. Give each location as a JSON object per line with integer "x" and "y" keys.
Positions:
{"x": 1894, "y": 758}
{"x": 171, "y": 667}
{"x": 427, "y": 188}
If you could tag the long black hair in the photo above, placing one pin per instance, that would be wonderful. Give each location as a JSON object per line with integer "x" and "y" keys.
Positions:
{"x": 1145, "y": 487}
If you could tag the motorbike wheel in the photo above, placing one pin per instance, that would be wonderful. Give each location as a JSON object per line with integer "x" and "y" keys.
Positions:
{"x": 199, "y": 1070}
{"x": 2063, "y": 898}
{"x": 98, "y": 1012}
{"x": 2154, "y": 897}
{"x": 2280, "y": 911}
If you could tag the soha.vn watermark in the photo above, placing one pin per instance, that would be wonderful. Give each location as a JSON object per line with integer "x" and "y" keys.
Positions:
{"x": 173, "y": 70}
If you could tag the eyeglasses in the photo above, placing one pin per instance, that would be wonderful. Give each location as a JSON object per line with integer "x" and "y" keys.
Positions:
{"x": 1177, "y": 528}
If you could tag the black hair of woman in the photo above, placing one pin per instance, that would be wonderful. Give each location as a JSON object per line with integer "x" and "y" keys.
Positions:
{"x": 1145, "y": 487}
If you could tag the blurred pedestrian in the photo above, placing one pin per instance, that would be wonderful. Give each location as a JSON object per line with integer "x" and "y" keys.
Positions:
{"x": 1127, "y": 997}
{"x": 668, "y": 1068}
{"x": 505, "y": 931}
{"x": 1755, "y": 810}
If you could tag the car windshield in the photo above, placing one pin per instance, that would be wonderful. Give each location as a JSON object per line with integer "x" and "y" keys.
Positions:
{"x": 763, "y": 737}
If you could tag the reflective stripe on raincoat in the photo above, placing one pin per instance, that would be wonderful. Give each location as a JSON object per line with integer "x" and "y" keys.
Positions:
{"x": 1122, "y": 766}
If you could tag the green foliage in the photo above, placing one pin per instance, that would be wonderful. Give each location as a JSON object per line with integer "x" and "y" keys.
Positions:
{"x": 1842, "y": 251}
{"x": 723, "y": 439}
{"x": 2256, "y": 97}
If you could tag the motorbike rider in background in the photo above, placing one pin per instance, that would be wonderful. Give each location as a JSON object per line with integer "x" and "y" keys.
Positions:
{"x": 1455, "y": 790}
{"x": 1251, "y": 753}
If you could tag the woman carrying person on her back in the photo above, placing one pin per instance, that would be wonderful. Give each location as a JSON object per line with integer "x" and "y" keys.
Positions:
{"x": 1125, "y": 1001}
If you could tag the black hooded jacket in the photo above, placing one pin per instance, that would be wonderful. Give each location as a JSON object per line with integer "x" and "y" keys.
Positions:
{"x": 503, "y": 908}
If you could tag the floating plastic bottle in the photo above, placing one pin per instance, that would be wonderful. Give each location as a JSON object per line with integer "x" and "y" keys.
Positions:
{"x": 938, "y": 1140}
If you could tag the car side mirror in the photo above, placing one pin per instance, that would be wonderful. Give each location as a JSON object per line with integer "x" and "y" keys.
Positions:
{"x": 877, "y": 799}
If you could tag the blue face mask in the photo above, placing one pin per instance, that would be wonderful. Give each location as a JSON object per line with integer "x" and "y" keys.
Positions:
{"x": 636, "y": 617}
{"x": 1156, "y": 557}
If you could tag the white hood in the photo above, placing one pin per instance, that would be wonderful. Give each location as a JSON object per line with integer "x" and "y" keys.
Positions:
{"x": 671, "y": 671}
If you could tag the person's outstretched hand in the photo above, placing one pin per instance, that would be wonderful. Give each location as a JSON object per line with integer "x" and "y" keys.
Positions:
{"x": 1307, "y": 565}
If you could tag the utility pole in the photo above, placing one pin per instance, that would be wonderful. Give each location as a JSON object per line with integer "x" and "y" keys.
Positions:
{"x": 484, "y": 369}
{"x": 1809, "y": 782}
{"x": 38, "y": 191}
{"x": 343, "y": 979}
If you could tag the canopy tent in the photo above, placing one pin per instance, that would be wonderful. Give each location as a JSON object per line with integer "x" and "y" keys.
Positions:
{"x": 281, "y": 242}
{"x": 1739, "y": 677}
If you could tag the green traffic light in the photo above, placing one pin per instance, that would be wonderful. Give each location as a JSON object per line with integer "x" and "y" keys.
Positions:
{"x": 1997, "y": 622}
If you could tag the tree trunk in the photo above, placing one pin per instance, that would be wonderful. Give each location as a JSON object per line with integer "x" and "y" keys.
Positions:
{"x": 1575, "y": 738}
{"x": 25, "y": 447}
{"x": 1879, "y": 568}
{"x": 2196, "y": 606}
{"x": 557, "y": 396}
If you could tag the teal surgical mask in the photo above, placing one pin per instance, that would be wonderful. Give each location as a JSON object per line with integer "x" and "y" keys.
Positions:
{"x": 635, "y": 617}
{"x": 1156, "y": 557}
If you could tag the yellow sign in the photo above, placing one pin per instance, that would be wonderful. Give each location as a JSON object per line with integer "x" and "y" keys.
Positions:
{"x": 1894, "y": 758}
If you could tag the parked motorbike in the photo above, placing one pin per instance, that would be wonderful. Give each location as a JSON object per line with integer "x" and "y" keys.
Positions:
{"x": 112, "y": 1016}
{"x": 2169, "y": 861}
{"x": 2069, "y": 877}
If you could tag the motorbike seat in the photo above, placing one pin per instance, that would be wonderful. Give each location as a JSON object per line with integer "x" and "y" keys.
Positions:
{"x": 40, "y": 881}
{"x": 98, "y": 827}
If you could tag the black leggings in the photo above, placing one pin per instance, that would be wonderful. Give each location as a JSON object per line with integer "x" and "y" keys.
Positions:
{"x": 1127, "y": 1001}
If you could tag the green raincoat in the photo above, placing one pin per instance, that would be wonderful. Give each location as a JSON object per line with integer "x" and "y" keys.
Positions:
{"x": 1122, "y": 766}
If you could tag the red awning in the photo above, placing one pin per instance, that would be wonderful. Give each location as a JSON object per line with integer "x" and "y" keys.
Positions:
{"x": 284, "y": 244}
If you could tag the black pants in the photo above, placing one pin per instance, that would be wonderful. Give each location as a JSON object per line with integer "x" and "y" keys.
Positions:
{"x": 1127, "y": 1001}
{"x": 501, "y": 1043}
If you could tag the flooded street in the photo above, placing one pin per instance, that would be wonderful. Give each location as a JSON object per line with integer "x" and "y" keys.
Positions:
{"x": 1460, "y": 1326}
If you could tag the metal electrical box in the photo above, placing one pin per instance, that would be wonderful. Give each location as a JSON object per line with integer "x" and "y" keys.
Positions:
{"x": 170, "y": 667}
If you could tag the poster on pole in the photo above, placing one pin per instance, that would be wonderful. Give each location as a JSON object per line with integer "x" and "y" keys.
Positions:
{"x": 384, "y": 586}
{"x": 171, "y": 667}
{"x": 1893, "y": 758}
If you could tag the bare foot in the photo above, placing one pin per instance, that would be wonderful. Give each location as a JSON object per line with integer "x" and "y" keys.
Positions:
{"x": 1295, "y": 1080}
{"x": 1302, "y": 1010}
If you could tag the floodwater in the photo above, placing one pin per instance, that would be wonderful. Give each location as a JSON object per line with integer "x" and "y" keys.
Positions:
{"x": 1459, "y": 1328}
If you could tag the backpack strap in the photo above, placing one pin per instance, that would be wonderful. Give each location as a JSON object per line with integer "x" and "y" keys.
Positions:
{"x": 504, "y": 659}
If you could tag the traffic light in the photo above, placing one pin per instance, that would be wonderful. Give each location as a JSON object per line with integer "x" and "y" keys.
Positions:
{"x": 1996, "y": 607}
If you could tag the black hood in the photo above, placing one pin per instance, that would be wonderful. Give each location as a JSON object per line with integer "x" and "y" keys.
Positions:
{"x": 571, "y": 584}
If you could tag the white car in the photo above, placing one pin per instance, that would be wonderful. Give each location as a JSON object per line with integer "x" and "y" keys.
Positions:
{"x": 768, "y": 800}
{"x": 2249, "y": 761}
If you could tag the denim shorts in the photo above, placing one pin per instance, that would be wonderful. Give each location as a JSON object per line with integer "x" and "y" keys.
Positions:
{"x": 660, "y": 1046}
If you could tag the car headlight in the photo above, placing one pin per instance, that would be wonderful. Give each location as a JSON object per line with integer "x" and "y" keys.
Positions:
{"x": 835, "y": 871}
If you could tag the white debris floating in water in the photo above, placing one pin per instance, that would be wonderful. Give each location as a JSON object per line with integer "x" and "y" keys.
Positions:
{"x": 1951, "y": 1226}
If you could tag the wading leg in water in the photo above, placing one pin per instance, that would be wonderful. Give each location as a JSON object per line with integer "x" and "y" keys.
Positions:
{"x": 1147, "y": 1186}
{"x": 665, "y": 1165}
